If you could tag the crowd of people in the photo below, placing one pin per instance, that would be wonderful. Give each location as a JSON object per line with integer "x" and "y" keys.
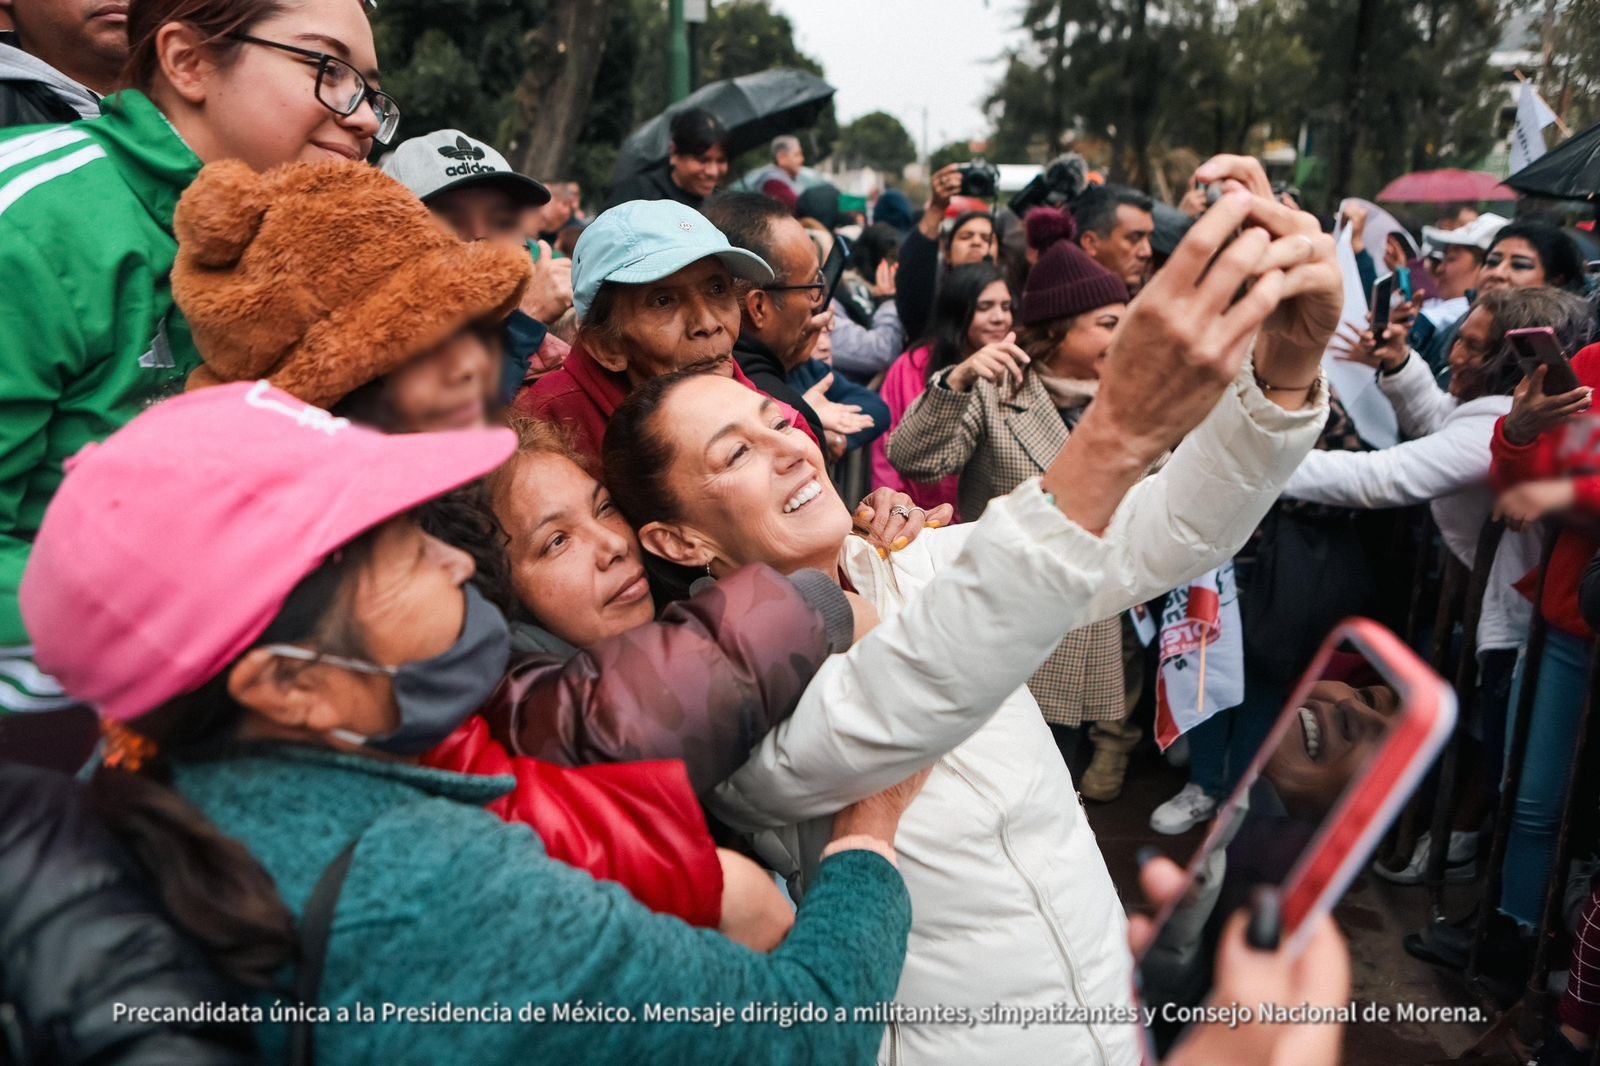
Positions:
{"x": 494, "y": 614}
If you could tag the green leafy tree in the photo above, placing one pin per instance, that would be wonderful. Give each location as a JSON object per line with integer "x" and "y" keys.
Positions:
{"x": 518, "y": 73}
{"x": 954, "y": 152}
{"x": 1378, "y": 86}
{"x": 1571, "y": 78}
{"x": 876, "y": 140}
{"x": 739, "y": 37}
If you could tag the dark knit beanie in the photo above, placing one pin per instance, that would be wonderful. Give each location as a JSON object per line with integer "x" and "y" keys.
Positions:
{"x": 1066, "y": 281}
{"x": 1047, "y": 225}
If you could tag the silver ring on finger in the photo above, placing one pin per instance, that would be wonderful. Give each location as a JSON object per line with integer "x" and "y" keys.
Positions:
{"x": 901, "y": 511}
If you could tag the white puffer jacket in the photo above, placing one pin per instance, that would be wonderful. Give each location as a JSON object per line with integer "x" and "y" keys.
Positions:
{"x": 1011, "y": 899}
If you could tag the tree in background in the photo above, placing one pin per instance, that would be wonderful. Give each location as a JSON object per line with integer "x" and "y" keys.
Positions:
{"x": 739, "y": 37}
{"x": 1381, "y": 86}
{"x": 1571, "y": 74}
{"x": 876, "y": 140}
{"x": 559, "y": 84}
{"x": 954, "y": 152}
{"x": 455, "y": 67}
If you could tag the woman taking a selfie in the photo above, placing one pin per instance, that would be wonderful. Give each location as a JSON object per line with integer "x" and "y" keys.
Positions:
{"x": 260, "y": 739}
{"x": 713, "y": 481}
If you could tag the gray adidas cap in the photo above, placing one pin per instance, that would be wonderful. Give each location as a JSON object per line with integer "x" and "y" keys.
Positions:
{"x": 448, "y": 159}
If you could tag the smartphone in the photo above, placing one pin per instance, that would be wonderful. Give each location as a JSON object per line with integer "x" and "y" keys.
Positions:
{"x": 833, "y": 268}
{"x": 1402, "y": 280}
{"x": 1537, "y": 347}
{"x": 1356, "y": 737}
{"x": 1382, "y": 304}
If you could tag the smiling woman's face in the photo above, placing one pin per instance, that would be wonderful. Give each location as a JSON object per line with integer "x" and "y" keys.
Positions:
{"x": 1331, "y": 737}
{"x": 751, "y": 486}
{"x": 1511, "y": 264}
{"x": 575, "y": 562}
{"x": 260, "y": 106}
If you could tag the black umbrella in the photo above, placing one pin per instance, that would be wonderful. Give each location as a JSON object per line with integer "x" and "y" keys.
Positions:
{"x": 754, "y": 108}
{"x": 1569, "y": 171}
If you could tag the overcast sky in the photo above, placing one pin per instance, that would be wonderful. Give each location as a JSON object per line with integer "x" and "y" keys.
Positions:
{"x": 901, "y": 55}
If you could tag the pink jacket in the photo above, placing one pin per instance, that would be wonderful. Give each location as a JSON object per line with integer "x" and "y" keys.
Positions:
{"x": 906, "y": 380}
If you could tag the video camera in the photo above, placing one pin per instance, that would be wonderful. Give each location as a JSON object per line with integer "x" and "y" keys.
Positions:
{"x": 1062, "y": 182}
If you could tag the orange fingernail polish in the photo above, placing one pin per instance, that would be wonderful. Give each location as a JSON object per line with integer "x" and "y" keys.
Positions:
{"x": 900, "y": 543}
{"x": 882, "y": 554}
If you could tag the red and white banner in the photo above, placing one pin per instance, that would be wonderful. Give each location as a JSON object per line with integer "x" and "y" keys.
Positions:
{"x": 1202, "y": 654}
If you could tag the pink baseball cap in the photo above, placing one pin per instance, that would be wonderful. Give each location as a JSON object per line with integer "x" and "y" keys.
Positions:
{"x": 172, "y": 546}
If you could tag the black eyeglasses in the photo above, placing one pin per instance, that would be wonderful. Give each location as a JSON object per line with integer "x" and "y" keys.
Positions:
{"x": 816, "y": 288}
{"x": 341, "y": 88}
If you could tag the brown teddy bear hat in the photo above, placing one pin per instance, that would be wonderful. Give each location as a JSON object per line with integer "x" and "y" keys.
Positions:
{"x": 321, "y": 277}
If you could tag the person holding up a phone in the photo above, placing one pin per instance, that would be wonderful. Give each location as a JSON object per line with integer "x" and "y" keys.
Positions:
{"x": 1546, "y": 465}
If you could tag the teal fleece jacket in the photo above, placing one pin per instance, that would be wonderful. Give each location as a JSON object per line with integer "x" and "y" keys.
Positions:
{"x": 444, "y": 903}
{"x": 88, "y": 333}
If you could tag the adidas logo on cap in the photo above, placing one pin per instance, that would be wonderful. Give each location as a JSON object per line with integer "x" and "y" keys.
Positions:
{"x": 469, "y": 154}
{"x": 462, "y": 149}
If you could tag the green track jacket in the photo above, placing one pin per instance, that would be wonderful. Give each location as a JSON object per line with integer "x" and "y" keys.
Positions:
{"x": 89, "y": 335}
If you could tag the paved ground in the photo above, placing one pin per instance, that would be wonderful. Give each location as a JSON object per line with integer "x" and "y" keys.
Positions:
{"x": 1374, "y": 915}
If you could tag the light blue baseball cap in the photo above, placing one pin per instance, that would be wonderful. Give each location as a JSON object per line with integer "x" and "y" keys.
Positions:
{"x": 646, "y": 240}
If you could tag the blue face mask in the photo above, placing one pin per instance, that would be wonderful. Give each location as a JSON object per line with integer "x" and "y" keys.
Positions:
{"x": 435, "y": 695}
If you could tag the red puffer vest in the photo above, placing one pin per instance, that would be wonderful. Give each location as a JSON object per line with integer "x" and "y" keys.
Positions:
{"x": 637, "y": 823}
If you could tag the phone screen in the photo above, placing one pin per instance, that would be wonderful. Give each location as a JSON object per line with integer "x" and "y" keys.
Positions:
{"x": 1321, "y": 789}
{"x": 1382, "y": 302}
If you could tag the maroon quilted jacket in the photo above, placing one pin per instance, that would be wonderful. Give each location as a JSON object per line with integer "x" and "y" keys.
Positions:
{"x": 703, "y": 684}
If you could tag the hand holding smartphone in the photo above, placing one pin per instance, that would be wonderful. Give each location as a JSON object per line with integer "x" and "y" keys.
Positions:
{"x": 1538, "y": 347}
{"x": 1356, "y": 737}
{"x": 1382, "y": 304}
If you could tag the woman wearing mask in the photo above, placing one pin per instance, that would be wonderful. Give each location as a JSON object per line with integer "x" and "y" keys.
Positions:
{"x": 88, "y": 332}
{"x": 1010, "y": 892}
{"x": 333, "y": 282}
{"x": 998, "y": 418}
{"x": 973, "y": 315}
{"x": 697, "y": 161}
{"x": 602, "y": 676}
{"x": 260, "y": 737}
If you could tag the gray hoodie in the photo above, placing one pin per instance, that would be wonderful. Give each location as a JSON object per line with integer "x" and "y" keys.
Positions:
{"x": 32, "y": 91}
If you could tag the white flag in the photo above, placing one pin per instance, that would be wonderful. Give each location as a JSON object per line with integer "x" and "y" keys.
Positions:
{"x": 1527, "y": 136}
{"x": 1355, "y": 384}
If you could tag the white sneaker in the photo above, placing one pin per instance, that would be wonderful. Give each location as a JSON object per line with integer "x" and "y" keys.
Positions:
{"x": 1183, "y": 812}
{"x": 1461, "y": 862}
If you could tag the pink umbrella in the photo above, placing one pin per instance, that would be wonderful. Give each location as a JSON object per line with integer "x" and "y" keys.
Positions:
{"x": 1445, "y": 186}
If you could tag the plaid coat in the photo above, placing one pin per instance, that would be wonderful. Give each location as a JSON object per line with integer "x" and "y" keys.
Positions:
{"x": 995, "y": 438}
